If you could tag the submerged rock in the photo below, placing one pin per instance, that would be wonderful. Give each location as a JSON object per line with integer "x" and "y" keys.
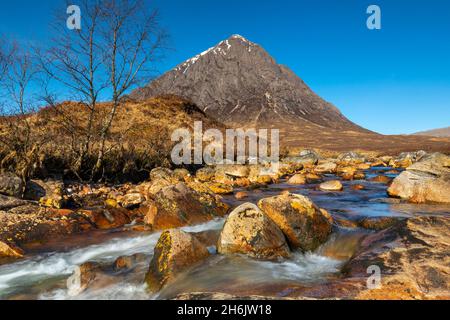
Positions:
{"x": 303, "y": 223}
{"x": 381, "y": 179}
{"x": 249, "y": 231}
{"x": 378, "y": 223}
{"x": 82, "y": 278}
{"x": 11, "y": 185}
{"x": 425, "y": 181}
{"x": 175, "y": 252}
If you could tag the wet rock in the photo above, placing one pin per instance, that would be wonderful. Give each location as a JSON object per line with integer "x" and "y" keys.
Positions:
{"x": 333, "y": 185}
{"x": 288, "y": 167}
{"x": 426, "y": 181}
{"x": 359, "y": 175}
{"x": 241, "y": 195}
{"x": 378, "y": 223}
{"x": 127, "y": 263}
{"x": 178, "y": 206}
{"x": 249, "y": 231}
{"x": 347, "y": 172}
{"x": 327, "y": 167}
{"x": 83, "y": 276}
{"x": 350, "y": 158}
{"x": 105, "y": 219}
{"x": 381, "y": 179}
{"x": 412, "y": 257}
{"x": 10, "y": 251}
{"x": 303, "y": 223}
{"x": 175, "y": 252}
{"x": 11, "y": 185}
{"x": 297, "y": 179}
{"x": 345, "y": 223}
{"x": 208, "y": 238}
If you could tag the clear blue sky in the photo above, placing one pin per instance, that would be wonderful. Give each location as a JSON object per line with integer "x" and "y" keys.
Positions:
{"x": 396, "y": 80}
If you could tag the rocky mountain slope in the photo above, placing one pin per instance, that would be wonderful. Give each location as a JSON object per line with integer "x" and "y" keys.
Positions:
{"x": 239, "y": 83}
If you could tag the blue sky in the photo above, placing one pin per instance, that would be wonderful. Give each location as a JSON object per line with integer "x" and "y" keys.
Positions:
{"x": 396, "y": 80}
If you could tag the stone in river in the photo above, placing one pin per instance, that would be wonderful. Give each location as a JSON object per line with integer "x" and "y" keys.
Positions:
{"x": 251, "y": 232}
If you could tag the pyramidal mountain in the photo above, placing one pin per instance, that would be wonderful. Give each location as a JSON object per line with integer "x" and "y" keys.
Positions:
{"x": 239, "y": 84}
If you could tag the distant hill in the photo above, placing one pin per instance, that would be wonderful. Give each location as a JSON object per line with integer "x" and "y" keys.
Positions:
{"x": 444, "y": 132}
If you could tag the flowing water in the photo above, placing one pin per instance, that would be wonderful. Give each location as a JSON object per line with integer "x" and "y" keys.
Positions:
{"x": 44, "y": 274}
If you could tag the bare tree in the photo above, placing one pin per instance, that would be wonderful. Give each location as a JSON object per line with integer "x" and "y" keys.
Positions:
{"x": 75, "y": 62}
{"x": 133, "y": 40}
{"x": 17, "y": 136}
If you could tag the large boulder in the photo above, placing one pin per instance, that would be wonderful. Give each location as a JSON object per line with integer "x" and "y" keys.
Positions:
{"x": 11, "y": 185}
{"x": 82, "y": 277}
{"x": 249, "y": 231}
{"x": 425, "y": 181}
{"x": 413, "y": 259}
{"x": 304, "y": 224}
{"x": 175, "y": 252}
{"x": 178, "y": 205}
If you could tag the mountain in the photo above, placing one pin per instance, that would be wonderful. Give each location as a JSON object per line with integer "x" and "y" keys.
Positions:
{"x": 444, "y": 132}
{"x": 238, "y": 83}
